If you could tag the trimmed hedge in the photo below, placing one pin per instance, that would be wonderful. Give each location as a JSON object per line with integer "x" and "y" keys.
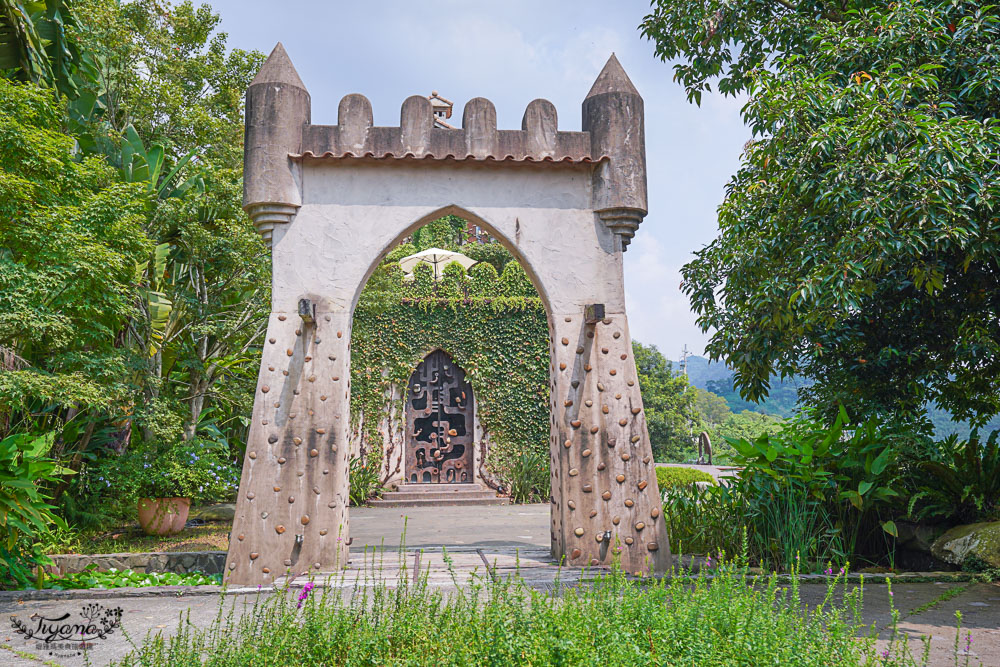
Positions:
{"x": 672, "y": 477}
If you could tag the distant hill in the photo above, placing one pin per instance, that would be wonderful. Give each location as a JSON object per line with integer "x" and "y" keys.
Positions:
{"x": 783, "y": 397}
{"x": 713, "y": 376}
{"x": 701, "y": 371}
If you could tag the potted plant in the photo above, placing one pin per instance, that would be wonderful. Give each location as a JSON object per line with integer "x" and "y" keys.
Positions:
{"x": 164, "y": 480}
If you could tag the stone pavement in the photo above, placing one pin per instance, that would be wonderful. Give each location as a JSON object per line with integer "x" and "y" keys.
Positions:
{"x": 450, "y": 525}
{"x": 500, "y": 542}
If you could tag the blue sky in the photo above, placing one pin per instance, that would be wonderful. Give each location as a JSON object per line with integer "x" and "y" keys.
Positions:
{"x": 513, "y": 52}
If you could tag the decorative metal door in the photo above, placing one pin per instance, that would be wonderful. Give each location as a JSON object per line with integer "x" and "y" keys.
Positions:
{"x": 439, "y": 423}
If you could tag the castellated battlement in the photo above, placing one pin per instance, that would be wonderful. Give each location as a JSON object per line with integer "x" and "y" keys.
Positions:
{"x": 355, "y": 136}
{"x": 280, "y": 137}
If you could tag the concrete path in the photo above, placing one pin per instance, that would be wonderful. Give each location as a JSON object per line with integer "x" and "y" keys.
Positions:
{"x": 483, "y": 542}
{"x": 451, "y": 525}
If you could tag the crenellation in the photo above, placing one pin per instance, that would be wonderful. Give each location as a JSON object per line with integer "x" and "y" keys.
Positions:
{"x": 354, "y": 137}
{"x": 540, "y": 125}
{"x": 416, "y": 120}
{"x": 479, "y": 123}
{"x": 354, "y": 123}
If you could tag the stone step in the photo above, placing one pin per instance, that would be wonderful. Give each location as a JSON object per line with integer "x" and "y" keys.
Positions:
{"x": 416, "y": 488}
{"x": 426, "y": 502}
{"x": 428, "y": 495}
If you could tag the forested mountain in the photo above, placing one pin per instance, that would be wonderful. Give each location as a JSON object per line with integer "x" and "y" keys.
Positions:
{"x": 713, "y": 376}
{"x": 782, "y": 400}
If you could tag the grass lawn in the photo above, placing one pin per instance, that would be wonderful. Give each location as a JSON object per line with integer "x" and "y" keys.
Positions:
{"x": 131, "y": 539}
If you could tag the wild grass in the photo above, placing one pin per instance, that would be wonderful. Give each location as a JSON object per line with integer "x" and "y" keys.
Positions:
{"x": 728, "y": 618}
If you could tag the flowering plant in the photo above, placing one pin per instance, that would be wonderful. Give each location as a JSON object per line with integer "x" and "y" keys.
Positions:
{"x": 196, "y": 469}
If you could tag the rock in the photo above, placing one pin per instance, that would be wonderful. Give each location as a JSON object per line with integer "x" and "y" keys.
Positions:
{"x": 976, "y": 539}
{"x": 918, "y": 536}
{"x": 223, "y": 512}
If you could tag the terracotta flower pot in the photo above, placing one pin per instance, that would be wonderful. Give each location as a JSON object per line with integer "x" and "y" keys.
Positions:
{"x": 163, "y": 516}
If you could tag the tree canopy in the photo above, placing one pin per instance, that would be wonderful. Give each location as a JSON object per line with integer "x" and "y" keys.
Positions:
{"x": 858, "y": 242}
{"x": 669, "y": 402}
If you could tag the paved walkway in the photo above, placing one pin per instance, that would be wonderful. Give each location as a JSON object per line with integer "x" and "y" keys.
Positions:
{"x": 484, "y": 542}
{"x": 451, "y": 525}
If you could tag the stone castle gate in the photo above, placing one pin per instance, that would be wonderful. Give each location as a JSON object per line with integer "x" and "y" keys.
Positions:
{"x": 332, "y": 200}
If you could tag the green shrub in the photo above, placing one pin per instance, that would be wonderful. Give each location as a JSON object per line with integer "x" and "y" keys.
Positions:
{"x": 732, "y": 620}
{"x": 24, "y": 511}
{"x": 670, "y": 477}
{"x": 527, "y": 477}
{"x": 808, "y": 494}
{"x": 963, "y": 485}
{"x": 364, "y": 480}
{"x": 198, "y": 469}
{"x": 704, "y": 520}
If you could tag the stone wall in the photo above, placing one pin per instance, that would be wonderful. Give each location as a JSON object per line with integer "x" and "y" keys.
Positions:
{"x": 180, "y": 562}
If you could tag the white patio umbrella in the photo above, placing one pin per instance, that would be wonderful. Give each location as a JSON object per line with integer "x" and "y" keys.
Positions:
{"x": 437, "y": 258}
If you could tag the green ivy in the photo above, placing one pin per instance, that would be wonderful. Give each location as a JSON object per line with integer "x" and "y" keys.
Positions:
{"x": 493, "y": 327}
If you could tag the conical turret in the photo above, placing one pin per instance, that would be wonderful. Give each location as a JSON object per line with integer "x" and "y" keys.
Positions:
{"x": 278, "y": 68}
{"x": 278, "y": 107}
{"x": 613, "y": 115}
{"x": 612, "y": 79}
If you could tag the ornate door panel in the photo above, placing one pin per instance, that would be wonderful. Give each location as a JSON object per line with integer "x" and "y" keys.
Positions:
{"x": 439, "y": 423}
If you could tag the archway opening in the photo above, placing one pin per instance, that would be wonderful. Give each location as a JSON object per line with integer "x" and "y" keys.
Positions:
{"x": 469, "y": 320}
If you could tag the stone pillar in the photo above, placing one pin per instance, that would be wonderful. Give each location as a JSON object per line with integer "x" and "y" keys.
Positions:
{"x": 604, "y": 491}
{"x": 291, "y": 514}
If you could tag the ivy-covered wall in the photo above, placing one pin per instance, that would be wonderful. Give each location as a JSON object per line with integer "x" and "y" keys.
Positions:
{"x": 494, "y": 327}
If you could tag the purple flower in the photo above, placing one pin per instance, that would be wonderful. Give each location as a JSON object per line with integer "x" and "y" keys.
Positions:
{"x": 304, "y": 595}
{"x": 828, "y": 571}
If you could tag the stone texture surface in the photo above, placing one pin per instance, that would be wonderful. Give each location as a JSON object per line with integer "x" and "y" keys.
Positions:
{"x": 604, "y": 493}
{"x": 981, "y": 540}
{"x": 565, "y": 203}
{"x": 180, "y": 562}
